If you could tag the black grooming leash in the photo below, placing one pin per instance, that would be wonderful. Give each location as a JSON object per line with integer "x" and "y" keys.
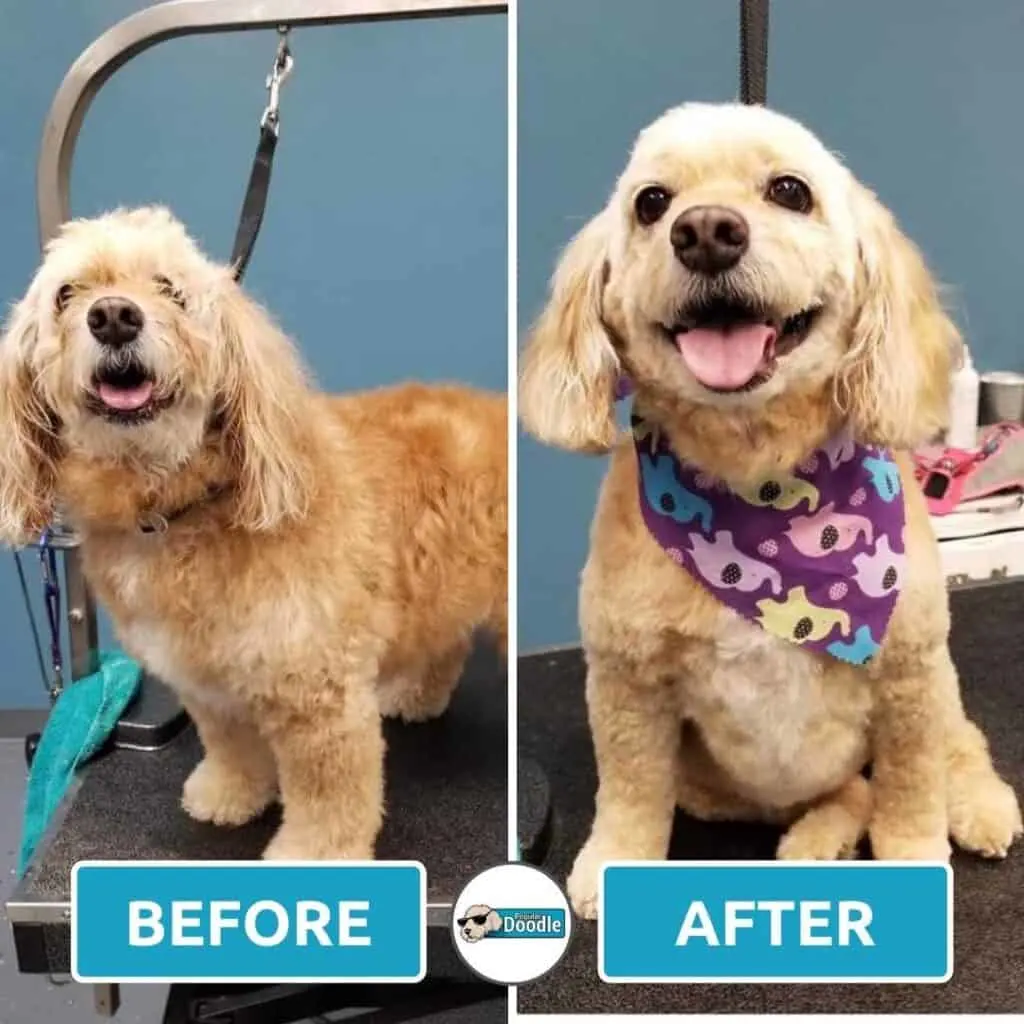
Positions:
{"x": 754, "y": 51}
{"x": 255, "y": 203}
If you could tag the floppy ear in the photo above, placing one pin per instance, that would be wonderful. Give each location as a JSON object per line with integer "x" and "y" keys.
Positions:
{"x": 569, "y": 369}
{"x": 263, "y": 396}
{"x": 895, "y": 380}
{"x": 27, "y": 440}
{"x": 493, "y": 922}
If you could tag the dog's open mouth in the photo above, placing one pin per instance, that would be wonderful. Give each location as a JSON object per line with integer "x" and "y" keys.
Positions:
{"x": 731, "y": 346}
{"x": 125, "y": 393}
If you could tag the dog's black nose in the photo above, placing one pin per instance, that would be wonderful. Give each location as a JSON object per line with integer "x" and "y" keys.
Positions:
{"x": 114, "y": 320}
{"x": 710, "y": 239}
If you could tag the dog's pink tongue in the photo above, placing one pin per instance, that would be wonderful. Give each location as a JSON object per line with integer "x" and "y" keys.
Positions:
{"x": 725, "y": 358}
{"x": 126, "y": 399}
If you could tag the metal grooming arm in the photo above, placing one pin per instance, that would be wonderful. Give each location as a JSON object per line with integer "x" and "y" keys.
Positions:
{"x": 117, "y": 46}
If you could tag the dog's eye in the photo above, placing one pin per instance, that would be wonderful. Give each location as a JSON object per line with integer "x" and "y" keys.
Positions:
{"x": 791, "y": 193}
{"x": 651, "y": 203}
{"x": 65, "y": 293}
{"x": 167, "y": 287}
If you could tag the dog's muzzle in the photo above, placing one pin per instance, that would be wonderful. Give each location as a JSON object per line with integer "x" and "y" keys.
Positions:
{"x": 124, "y": 389}
{"x": 732, "y": 346}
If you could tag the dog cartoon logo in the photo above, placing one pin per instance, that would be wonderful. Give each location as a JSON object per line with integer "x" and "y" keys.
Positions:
{"x": 797, "y": 619}
{"x": 782, "y": 492}
{"x": 665, "y": 494}
{"x": 478, "y": 921}
{"x": 511, "y": 923}
{"x": 722, "y": 565}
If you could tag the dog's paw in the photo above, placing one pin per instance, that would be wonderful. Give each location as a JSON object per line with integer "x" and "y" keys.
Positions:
{"x": 604, "y": 846}
{"x": 290, "y": 844}
{"x": 831, "y": 829}
{"x": 988, "y": 820}
{"x": 584, "y": 879}
{"x": 407, "y": 700}
{"x": 814, "y": 838}
{"x": 890, "y": 844}
{"x": 214, "y": 794}
{"x": 582, "y": 889}
{"x": 410, "y": 708}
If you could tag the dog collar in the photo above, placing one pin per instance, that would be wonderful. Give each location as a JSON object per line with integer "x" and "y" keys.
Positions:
{"x": 815, "y": 556}
{"x": 152, "y": 521}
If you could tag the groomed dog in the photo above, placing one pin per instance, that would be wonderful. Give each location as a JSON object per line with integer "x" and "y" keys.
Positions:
{"x": 293, "y": 564}
{"x": 764, "y": 306}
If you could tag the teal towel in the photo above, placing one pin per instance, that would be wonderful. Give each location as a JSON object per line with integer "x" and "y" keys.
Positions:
{"x": 82, "y": 719}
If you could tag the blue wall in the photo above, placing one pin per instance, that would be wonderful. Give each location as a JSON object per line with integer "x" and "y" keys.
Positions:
{"x": 383, "y": 251}
{"x": 922, "y": 98}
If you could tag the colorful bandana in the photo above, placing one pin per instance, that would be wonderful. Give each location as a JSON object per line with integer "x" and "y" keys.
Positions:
{"x": 815, "y": 557}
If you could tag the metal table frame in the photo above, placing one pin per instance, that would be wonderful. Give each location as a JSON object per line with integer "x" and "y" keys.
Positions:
{"x": 90, "y": 72}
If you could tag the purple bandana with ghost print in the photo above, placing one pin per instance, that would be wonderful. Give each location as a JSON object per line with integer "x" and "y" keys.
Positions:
{"x": 815, "y": 556}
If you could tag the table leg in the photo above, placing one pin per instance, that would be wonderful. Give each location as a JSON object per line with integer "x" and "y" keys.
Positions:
{"x": 106, "y": 999}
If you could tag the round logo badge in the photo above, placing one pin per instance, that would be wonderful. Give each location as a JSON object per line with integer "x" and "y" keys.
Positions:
{"x": 511, "y": 924}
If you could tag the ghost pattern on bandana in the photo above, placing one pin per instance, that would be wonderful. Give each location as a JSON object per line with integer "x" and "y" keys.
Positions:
{"x": 815, "y": 556}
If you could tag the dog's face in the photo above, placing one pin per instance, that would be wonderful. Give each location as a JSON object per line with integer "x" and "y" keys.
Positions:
{"x": 732, "y": 256}
{"x": 478, "y": 920}
{"x": 129, "y": 347}
{"x": 121, "y": 335}
{"x": 738, "y": 261}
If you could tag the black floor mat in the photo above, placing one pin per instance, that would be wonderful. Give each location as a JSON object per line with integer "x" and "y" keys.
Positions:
{"x": 988, "y": 646}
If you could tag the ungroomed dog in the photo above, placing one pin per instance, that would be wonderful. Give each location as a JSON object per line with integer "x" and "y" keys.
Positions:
{"x": 292, "y": 564}
{"x": 782, "y": 337}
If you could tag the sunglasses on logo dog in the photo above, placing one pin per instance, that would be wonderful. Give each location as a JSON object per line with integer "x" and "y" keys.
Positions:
{"x": 476, "y": 919}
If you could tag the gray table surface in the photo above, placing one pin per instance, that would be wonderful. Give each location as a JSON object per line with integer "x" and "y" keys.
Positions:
{"x": 446, "y": 803}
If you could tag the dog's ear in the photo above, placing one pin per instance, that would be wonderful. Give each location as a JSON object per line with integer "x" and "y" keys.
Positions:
{"x": 895, "y": 379}
{"x": 569, "y": 368}
{"x": 263, "y": 394}
{"x": 27, "y": 440}
{"x": 493, "y": 922}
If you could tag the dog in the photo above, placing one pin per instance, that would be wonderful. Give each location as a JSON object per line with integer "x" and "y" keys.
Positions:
{"x": 479, "y": 920}
{"x": 294, "y": 565}
{"x": 769, "y": 316}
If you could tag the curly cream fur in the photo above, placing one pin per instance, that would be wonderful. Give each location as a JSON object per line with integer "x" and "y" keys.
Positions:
{"x": 688, "y": 703}
{"x": 334, "y": 555}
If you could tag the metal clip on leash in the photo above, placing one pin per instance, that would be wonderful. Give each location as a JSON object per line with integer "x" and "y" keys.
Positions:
{"x": 255, "y": 202}
{"x": 282, "y": 68}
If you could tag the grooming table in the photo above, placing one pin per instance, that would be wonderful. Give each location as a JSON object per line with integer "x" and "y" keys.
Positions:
{"x": 988, "y": 647}
{"x": 446, "y": 807}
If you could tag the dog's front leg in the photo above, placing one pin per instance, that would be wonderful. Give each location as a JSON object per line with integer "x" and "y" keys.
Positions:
{"x": 326, "y": 736}
{"x": 237, "y": 777}
{"x": 909, "y": 759}
{"x": 636, "y": 730}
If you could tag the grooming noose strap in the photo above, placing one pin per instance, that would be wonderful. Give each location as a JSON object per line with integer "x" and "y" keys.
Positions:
{"x": 754, "y": 51}
{"x": 255, "y": 203}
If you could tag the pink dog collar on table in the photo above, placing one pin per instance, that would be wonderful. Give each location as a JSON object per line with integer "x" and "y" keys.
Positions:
{"x": 815, "y": 557}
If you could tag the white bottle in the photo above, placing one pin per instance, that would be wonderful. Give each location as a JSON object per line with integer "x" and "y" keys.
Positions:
{"x": 963, "y": 406}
